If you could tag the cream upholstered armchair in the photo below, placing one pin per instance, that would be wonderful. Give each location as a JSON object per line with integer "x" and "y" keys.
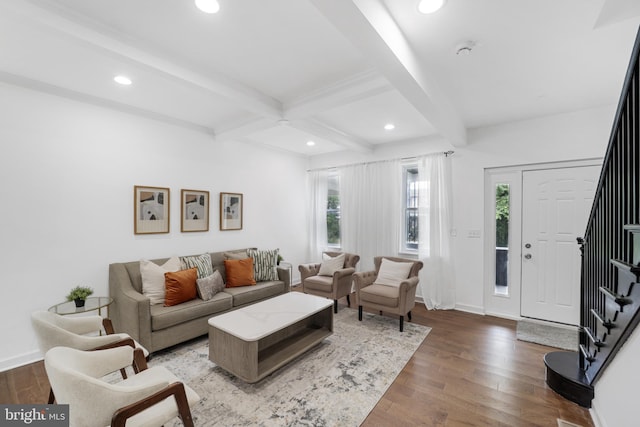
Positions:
{"x": 152, "y": 397}
{"x": 332, "y": 278}
{"x": 391, "y": 288}
{"x": 54, "y": 330}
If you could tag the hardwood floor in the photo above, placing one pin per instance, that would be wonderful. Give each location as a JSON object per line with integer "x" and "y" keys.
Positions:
{"x": 470, "y": 371}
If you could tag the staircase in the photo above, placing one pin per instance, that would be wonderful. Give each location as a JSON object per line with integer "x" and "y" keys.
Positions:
{"x": 610, "y": 277}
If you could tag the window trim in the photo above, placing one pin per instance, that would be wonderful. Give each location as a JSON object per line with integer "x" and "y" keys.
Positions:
{"x": 334, "y": 175}
{"x": 404, "y": 245}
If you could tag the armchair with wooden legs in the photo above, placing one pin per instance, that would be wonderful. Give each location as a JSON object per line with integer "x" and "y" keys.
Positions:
{"x": 53, "y": 330}
{"x": 333, "y": 283}
{"x": 151, "y": 397}
{"x": 390, "y": 288}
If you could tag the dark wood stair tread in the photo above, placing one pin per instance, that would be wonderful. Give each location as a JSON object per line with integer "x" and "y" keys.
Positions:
{"x": 565, "y": 377}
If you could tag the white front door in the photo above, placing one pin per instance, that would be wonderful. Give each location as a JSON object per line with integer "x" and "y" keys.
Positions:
{"x": 555, "y": 209}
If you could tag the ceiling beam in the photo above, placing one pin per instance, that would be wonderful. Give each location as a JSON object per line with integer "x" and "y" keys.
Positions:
{"x": 371, "y": 28}
{"x": 323, "y": 131}
{"x": 50, "y": 89}
{"x": 215, "y": 83}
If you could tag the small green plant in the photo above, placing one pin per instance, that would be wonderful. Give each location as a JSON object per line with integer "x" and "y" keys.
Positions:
{"x": 79, "y": 292}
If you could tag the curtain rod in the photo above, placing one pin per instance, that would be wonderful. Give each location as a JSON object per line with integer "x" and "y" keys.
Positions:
{"x": 446, "y": 154}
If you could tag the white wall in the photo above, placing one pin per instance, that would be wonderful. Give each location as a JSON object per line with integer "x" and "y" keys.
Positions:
{"x": 615, "y": 392}
{"x": 67, "y": 172}
{"x": 577, "y": 135}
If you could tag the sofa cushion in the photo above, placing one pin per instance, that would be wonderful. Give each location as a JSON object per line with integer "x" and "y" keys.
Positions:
{"x": 153, "y": 278}
{"x": 381, "y": 295}
{"x": 208, "y": 286}
{"x": 201, "y": 262}
{"x": 165, "y": 317}
{"x": 239, "y": 272}
{"x": 180, "y": 286}
{"x": 242, "y": 254}
{"x": 319, "y": 283}
{"x": 250, "y": 294}
{"x": 265, "y": 263}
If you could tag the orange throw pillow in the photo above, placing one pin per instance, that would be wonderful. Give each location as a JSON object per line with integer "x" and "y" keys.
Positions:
{"x": 239, "y": 272}
{"x": 180, "y": 286}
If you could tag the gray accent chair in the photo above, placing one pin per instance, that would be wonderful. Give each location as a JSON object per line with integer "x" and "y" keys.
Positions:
{"x": 388, "y": 299}
{"x": 334, "y": 287}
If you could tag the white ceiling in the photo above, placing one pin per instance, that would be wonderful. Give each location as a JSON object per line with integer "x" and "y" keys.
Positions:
{"x": 283, "y": 72}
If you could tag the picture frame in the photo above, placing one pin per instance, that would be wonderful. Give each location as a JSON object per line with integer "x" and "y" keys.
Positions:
{"x": 231, "y": 207}
{"x": 151, "y": 213}
{"x": 194, "y": 210}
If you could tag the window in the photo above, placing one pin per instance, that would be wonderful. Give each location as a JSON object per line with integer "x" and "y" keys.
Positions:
{"x": 333, "y": 210}
{"x": 411, "y": 203}
{"x": 503, "y": 207}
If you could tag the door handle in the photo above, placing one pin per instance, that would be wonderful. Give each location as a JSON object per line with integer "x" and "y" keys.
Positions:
{"x": 527, "y": 256}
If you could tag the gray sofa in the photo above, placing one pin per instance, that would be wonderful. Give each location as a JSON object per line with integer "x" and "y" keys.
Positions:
{"x": 157, "y": 327}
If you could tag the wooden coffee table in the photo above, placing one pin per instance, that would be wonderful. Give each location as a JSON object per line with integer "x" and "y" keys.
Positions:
{"x": 255, "y": 340}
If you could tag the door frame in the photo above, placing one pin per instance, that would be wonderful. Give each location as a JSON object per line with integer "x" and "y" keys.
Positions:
{"x": 508, "y": 306}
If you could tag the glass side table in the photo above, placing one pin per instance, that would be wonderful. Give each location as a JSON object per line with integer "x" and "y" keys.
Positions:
{"x": 90, "y": 304}
{"x": 288, "y": 266}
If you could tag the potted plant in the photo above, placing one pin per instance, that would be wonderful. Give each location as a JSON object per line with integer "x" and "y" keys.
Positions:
{"x": 79, "y": 294}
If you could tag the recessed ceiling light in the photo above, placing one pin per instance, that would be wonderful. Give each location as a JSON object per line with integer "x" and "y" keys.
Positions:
{"x": 123, "y": 80}
{"x": 311, "y": 143}
{"x": 389, "y": 126}
{"x": 430, "y": 6}
{"x": 208, "y": 6}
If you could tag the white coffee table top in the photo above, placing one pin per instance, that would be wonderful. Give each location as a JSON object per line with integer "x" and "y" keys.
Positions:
{"x": 258, "y": 320}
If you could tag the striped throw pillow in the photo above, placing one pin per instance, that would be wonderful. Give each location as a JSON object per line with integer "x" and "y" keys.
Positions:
{"x": 201, "y": 262}
{"x": 264, "y": 264}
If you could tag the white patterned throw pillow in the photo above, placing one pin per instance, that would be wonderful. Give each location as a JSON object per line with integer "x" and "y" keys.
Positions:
{"x": 153, "y": 278}
{"x": 201, "y": 262}
{"x": 264, "y": 264}
{"x": 331, "y": 264}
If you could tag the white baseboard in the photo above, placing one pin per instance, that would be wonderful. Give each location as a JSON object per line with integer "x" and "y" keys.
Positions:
{"x": 593, "y": 411}
{"x": 474, "y": 309}
{"x": 20, "y": 360}
{"x": 504, "y": 316}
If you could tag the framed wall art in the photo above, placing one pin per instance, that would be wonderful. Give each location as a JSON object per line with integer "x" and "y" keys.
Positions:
{"x": 194, "y": 210}
{"x": 231, "y": 206}
{"x": 151, "y": 210}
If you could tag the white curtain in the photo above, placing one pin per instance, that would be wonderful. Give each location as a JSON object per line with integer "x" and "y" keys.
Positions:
{"x": 317, "y": 199}
{"x": 437, "y": 282}
{"x": 370, "y": 200}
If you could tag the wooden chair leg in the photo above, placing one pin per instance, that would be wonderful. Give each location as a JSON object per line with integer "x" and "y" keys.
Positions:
{"x": 409, "y": 316}
{"x": 401, "y": 323}
{"x": 360, "y": 313}
{"x": 348, "y": 301}
{"x": 52, "y": 397}
{"x": 335, "y": 306}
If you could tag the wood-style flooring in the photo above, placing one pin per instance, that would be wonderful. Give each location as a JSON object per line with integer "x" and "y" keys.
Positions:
{"x": 470, "y": 371}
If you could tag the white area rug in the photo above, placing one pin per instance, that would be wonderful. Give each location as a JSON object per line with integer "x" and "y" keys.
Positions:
{"x": 548, "y": 334}
{"x": 336, "y": 383}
